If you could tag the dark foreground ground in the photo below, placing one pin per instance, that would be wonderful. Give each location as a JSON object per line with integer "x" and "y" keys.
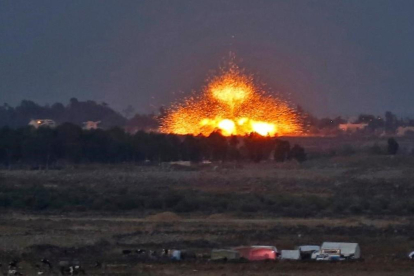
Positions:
{"x": 91, "y": 214}
{"x": 89, "y": 240}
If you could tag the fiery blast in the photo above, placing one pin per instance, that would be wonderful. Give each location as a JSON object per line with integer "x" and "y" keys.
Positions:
{"x": 234, "y": 105}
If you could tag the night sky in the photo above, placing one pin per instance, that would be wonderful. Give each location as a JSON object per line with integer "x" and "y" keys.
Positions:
{"x": 331, "y": 57}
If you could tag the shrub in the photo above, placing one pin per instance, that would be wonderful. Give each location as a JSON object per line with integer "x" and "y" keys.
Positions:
{"x": 298, "y": 153}
{"x": 392, "y": 146}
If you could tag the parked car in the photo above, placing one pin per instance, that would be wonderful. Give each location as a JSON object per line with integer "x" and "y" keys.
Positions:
{"x": 307, "y": 251}
{"x": 258, "y": 252}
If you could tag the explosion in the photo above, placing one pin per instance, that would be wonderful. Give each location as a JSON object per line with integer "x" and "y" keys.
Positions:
{"x": 232, "y": 104}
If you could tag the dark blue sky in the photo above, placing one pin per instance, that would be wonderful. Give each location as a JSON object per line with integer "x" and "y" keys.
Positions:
{"x": 332, "y": 57}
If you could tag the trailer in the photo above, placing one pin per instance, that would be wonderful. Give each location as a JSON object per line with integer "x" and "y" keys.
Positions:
{"x": 290, "y": 255}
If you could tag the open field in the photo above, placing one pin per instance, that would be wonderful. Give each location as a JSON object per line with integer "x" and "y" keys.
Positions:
{"x": 92, "y": 213}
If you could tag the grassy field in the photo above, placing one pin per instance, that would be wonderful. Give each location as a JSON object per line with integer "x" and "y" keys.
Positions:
{"x": 92, "y": 213}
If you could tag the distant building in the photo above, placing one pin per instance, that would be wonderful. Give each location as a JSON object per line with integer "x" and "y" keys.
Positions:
{"x": 402, "y": 131}
{"x": 349, "y": 127}
{"x": 91, "y": 125}
{"x": 42, "y": 123}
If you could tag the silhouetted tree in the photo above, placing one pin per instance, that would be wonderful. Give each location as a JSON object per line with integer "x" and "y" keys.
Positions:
{"x": 139, "y": 142}
{"x": 282, "y": 151}
{"x": 258, "y": 147}
{"x": 217, "y": 146}
{"x": 173, "y": 149}
{"x": 162, "y": 148}
{"x": 10, "y": 146}
{"x": 234, "y": 153}
{"x": 298, "y": 153}
{"x": 391, "y": 122}
{"x": 69, "y": 142}
{"x": 119, "y": 148}
{"x": 392, "y": 146}
{"x": 95, "y": 146}
{"x": 45, "y": 146}
{"x": 39, "y": 148}
{"x": 192, "y": 149}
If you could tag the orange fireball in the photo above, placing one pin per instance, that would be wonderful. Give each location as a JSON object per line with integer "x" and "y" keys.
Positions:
{"x": 233, "y": 104}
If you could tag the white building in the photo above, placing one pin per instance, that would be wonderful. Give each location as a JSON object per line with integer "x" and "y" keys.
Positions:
{"x": 349, "y": 127}
{"x": 91, "y": 125}
{"x": 42, "y": 123}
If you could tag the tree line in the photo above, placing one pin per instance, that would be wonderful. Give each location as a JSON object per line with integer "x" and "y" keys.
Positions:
{"x": 69, "y": 143}
{"x": 77, "y": 112}
{"x": 388, "y": 124}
